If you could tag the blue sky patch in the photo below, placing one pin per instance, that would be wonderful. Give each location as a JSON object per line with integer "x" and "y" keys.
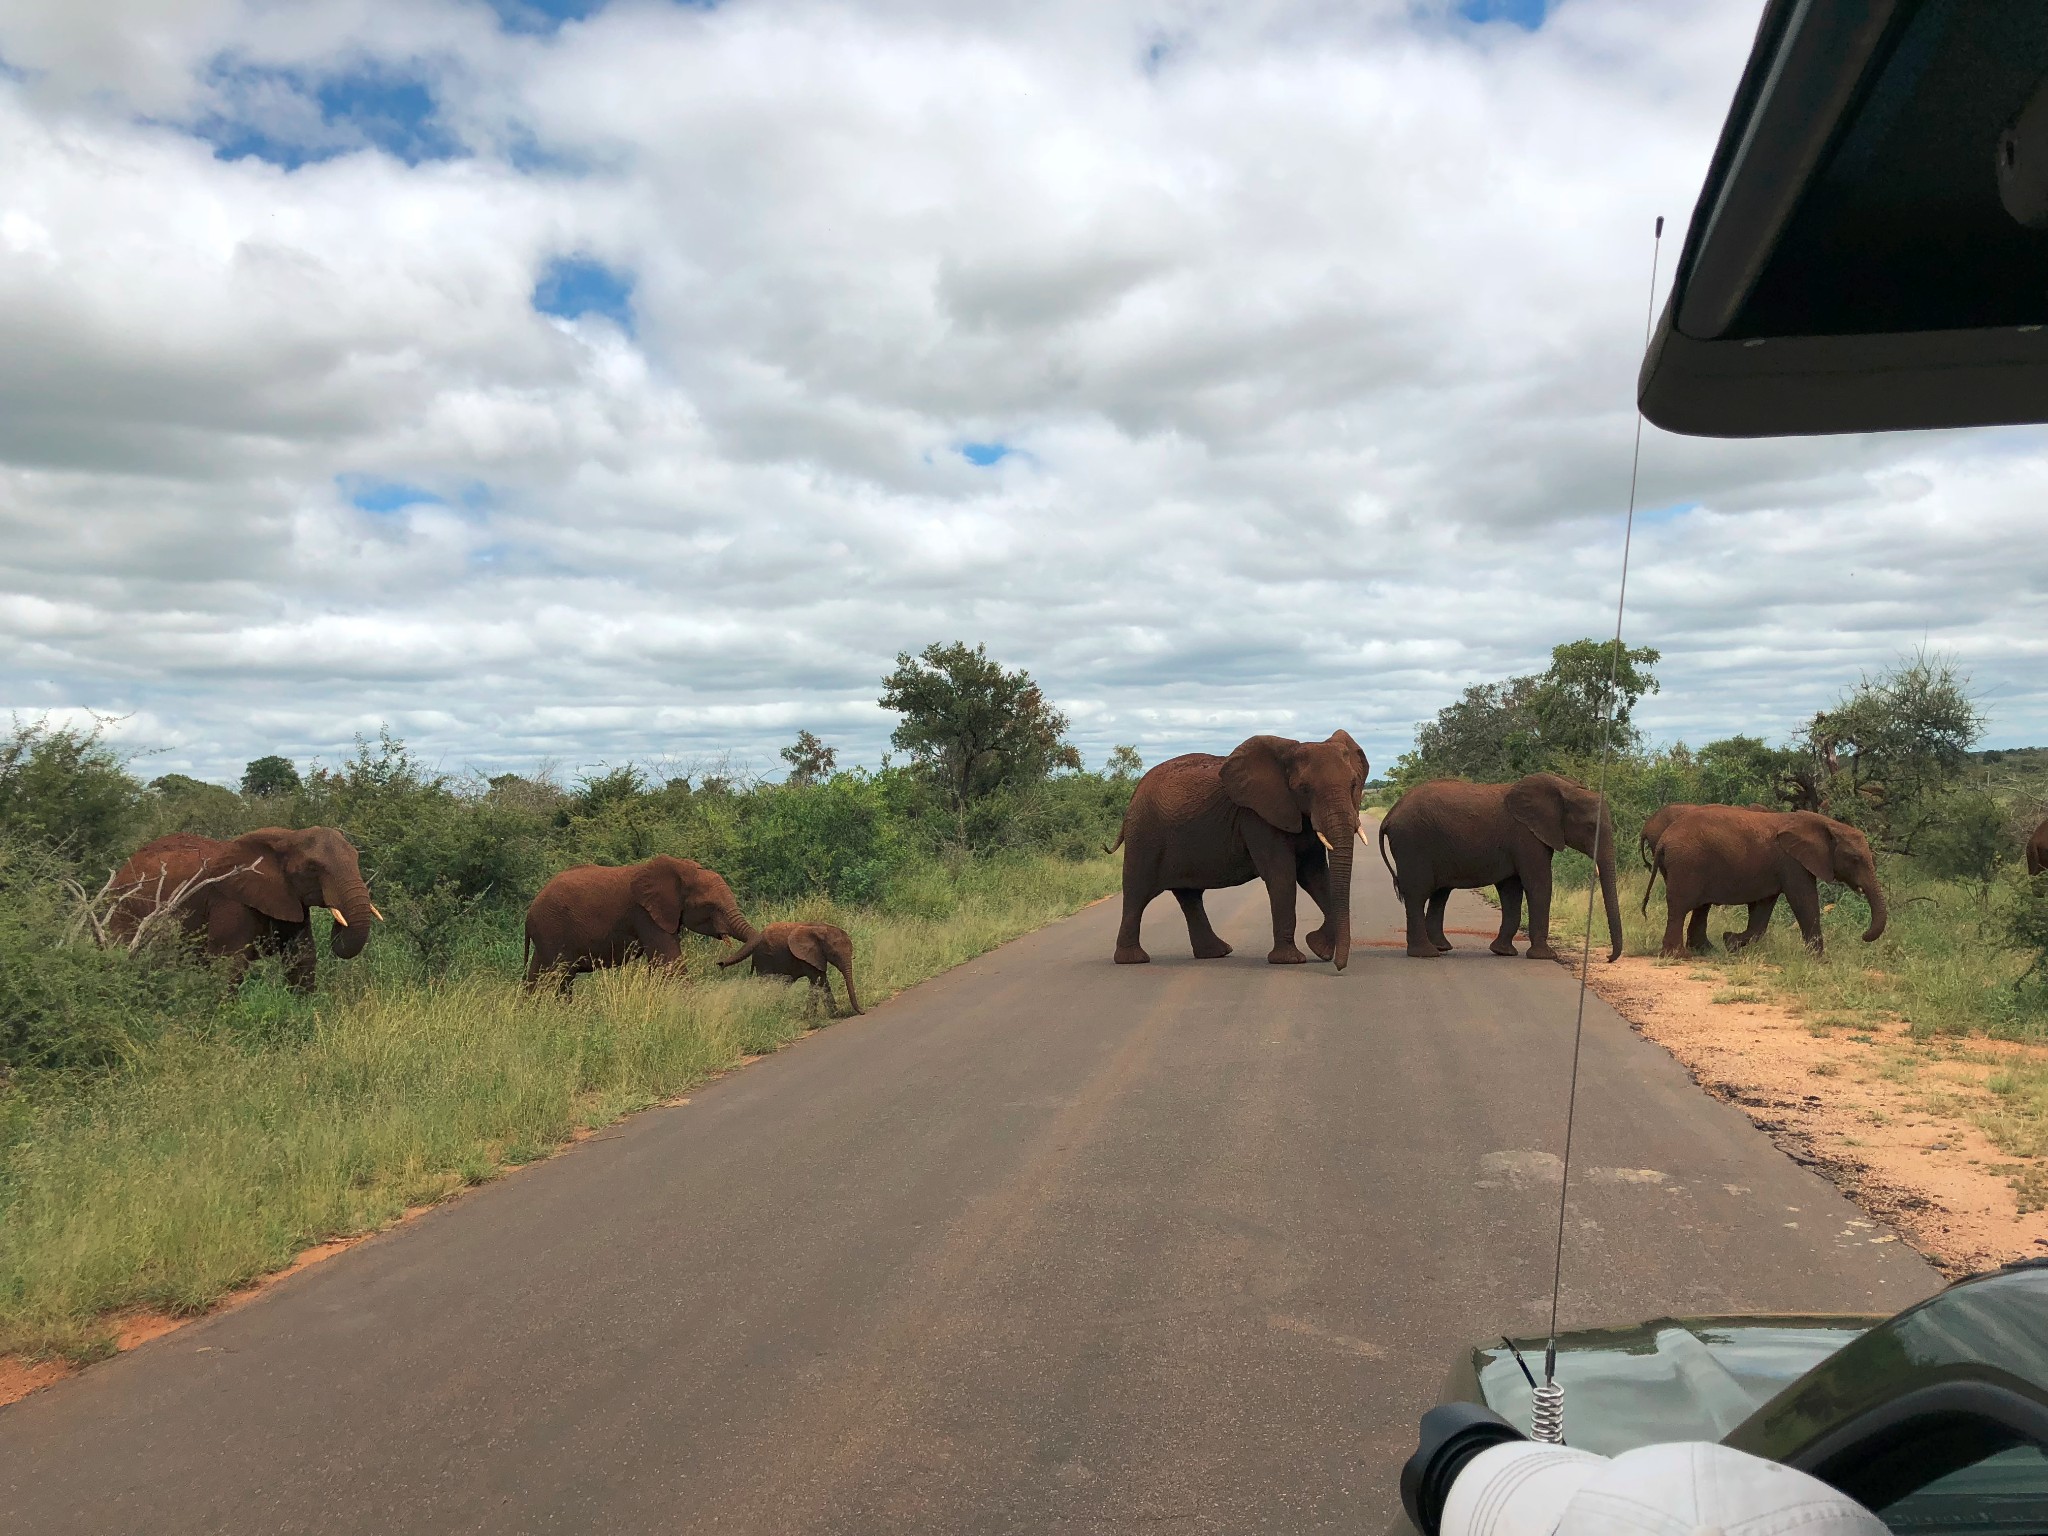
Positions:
{"x": 383, "y": 496}
{"x": 1526, "y": 14}
{"x": 574, "y": 286}
{"x": 291, "y": 118}
{"x": 985, "y": 454}
{"x": 542, "y": 16}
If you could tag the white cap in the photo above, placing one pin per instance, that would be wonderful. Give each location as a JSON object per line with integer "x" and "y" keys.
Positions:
{"x": 1695, "y": 1488}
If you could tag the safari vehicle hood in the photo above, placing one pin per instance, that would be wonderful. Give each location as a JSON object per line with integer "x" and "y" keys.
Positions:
{"x": 1687, "y": 1378}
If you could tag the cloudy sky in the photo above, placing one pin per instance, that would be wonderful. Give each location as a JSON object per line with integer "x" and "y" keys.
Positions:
{"x": 596, "y": 381}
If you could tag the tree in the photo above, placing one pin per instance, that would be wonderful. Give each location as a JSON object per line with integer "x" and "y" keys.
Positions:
{"x": 1500, "y": 731}
{"x": 1887, "y": 752}
{"x": 809, "y": 759}
{"x": 272, "y": 775}
{"x": 972, "y": 727}
{"x": 1570, "y": 699}
{"x": 1124, "y": 764}
{"x": 1968, "y": 839}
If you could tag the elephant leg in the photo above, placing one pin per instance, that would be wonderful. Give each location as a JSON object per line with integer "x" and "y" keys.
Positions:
{"x": 232, "y": 935}
{"x": 663, "y": 951}
{"x": 301, "y": 962}
{"x": 1536, "y": 882}
{"x": 1312, "y": 874}
{"x": 1201, "y": 936}
{"x": 1433, "y": 915}
{"x": 1674, "y": 925}
{"x": 1510, "y": 893}
{"x": 1273, "y": 858}
{"x": 1420, "y": 945}
{"x": 1759, "y": 921}
{"x": 1803, "y": 897}
{"x": 1128, "y": 950}
{"x": 1696, "y": 929}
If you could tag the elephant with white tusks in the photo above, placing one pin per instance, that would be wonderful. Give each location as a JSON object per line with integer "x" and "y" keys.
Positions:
{"x": 1276, "y": 810}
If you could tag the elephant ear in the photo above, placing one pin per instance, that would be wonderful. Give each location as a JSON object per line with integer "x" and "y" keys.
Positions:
{"x": 1807, "y": 839}
{"x": 658, "y": 887}
{"x": 1255, "y": 776}
{"x": 262, "y": 886}
{"x": 1538, "y": 804}
{"x": 808, "y": 945}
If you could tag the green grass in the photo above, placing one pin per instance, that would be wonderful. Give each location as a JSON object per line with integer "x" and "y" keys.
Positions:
{"x": 214, "y": 1156}
{"x": 1938, "y": 969}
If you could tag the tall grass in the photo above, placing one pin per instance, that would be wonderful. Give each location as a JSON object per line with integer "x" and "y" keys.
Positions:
{"x": 215, "y": 1155}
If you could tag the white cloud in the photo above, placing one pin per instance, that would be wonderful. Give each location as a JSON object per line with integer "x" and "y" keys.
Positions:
{"x": 1313, "y": 338}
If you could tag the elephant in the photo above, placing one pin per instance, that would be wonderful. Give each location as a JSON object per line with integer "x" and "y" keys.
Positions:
{"x": 249, "y": 895}
{"x": 598, "y": 915}
{"x": 2037, "y": 850}
{"x": 801, "y": 949}
{"x": 1277, "y": 810}
{"x": 1730, "y": 855}
{"x": 1450, "y": 835}
{"x": 1653, "y": 828}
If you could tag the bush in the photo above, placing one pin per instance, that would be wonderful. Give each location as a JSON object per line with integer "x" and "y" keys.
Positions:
{"x": 834, "y": 838}
{"x": 68, "y": 1005}
{"x": 67, "y": 789}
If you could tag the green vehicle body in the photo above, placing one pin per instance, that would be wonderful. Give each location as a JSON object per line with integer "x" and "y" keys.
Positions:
{"x": 1935, "y": 1418}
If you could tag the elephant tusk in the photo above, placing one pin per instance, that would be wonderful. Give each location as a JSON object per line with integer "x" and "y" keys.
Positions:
{"x": 1326, "y": 842}
{"x": 375, "y": 913}
{"x": 339, "y": 920}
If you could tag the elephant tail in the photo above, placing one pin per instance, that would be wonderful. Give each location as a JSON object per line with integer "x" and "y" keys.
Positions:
{"x": 1122, "y": 828}
{"x": 1392, "y": 873}
{"x": 1656, "y": 869}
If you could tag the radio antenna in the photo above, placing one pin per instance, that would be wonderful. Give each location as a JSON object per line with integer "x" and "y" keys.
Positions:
{"x": 1548, "y": 1417}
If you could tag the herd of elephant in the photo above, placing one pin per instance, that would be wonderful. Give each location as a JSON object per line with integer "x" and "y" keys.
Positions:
{"x": 1281, "y": 811}
{"x": 1288, "y": 812}
{"x": 239, "y": 898}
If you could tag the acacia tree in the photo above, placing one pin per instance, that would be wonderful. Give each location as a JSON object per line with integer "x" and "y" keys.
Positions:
{"x": 810, "y": 760}
{"x": 975, "y": 728}
{"x": 1887, "y": 752}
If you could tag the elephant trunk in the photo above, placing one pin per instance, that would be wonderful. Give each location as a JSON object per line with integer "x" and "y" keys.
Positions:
{"x": 1874, "y": 894}
{"x": 349, "y": 898}
{"x": 1338, "y": 825}
{"x": 1610, "y": 898}
{"x": 746, "y": 950}
{"x": 846, "y": 975}
{"x": 739, "y": 928}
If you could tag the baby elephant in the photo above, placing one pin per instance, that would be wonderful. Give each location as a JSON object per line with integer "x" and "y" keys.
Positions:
{"x": 801, "y": 949}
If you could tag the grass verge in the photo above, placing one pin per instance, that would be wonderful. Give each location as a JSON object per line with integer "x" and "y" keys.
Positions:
{"x": 209, "y": 1160}
{"x": 1937, "y": 977}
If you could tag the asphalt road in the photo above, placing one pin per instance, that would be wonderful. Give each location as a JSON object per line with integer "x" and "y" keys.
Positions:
{"x": 1046, "y": 1244}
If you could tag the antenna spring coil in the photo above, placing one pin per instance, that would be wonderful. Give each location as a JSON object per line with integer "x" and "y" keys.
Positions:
{"x": 1547, "y": 1422}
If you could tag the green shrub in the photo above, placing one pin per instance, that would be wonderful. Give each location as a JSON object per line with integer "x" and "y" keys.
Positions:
{"x": 833, "y": 837}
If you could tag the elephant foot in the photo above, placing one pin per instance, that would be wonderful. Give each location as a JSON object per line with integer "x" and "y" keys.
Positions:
{"x": 1443, "y": 946}
{"x": 1504, "y": 947}
{"x": 1321, "y": 944}
{"x": 1286, "y": 954}
{"x": 1541, "y": 952}
{"x": 1423, "y": 951}
{"x": 1211, "y": 949}
{"x": 1131, "y": 955}
{"x": 1733, "y": 942}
